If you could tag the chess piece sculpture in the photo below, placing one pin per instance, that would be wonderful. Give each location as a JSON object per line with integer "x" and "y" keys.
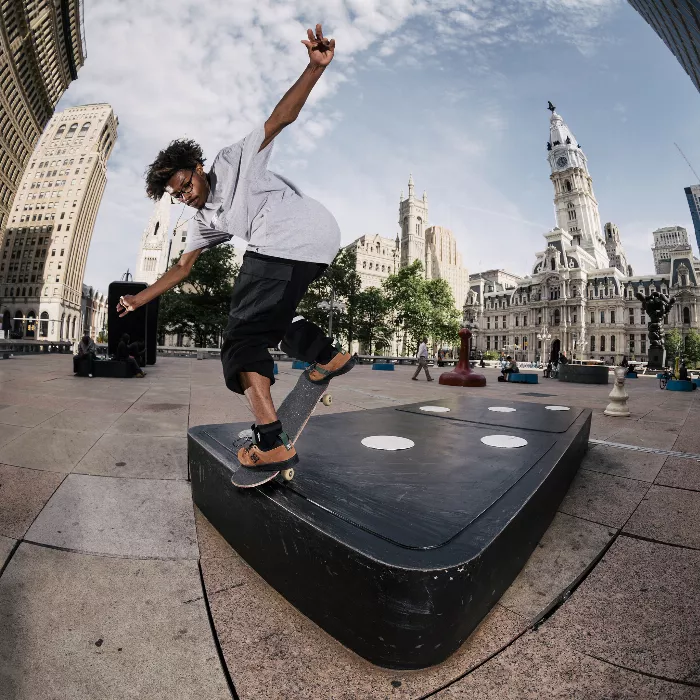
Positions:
{"x": 618, "y": 396}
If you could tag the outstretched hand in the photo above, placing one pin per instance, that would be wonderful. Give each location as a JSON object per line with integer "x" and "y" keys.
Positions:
{"x": 321, "y": 50}
{"x": 126, "y": 304}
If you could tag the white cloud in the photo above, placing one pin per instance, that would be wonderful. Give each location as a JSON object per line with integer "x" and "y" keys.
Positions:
{"x": 214, "y": 70}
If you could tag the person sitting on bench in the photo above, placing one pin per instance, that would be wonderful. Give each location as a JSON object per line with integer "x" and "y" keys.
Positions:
{"x": 510, "y": 368}
{"x": 548, "y": 370}
{"x": 123, "y": 354}
{"x": 86, "y": 353}
{"x": 683, "y": 373}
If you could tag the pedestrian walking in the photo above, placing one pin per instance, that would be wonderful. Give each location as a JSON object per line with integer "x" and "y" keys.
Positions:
{"x": 422, "y": 361}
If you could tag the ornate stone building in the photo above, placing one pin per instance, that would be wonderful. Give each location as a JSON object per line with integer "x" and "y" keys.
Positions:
{"x": 580, "y": 295}
{"x": 46, "y": 243}
{"x": 41, "y": 49}
{"x": 435, "y": 246}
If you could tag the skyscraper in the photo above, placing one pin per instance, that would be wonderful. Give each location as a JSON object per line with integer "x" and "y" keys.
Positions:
{"x": 677, "y": 22}
{"x": 692, "y": 193}
{"x": 46, "y": 243}
{"x": 41, "y": 49}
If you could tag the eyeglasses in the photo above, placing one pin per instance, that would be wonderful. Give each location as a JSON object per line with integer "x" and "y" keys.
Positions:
{"x": 185, "y": 189}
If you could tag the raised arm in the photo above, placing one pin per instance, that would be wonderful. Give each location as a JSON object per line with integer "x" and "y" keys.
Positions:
{"x": 321, "y": 52}
{"x": 175, "y": 275}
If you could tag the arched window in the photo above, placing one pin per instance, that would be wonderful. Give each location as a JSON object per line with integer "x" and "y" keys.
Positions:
{"x": 602, "y": 343}
{"x": 686, "y": 314}
{"x": 72, "y": 130}
{"x": 60, "y": 131}
{"x": 19, "y": 322}
{"x": 24, "y": 291}
{"x": 612, "y": 320}
{"x": 418, "y": 226}
{"x": 44, "y": 325}
{"x": 552, "y": 263}
{"x": 557, "y": 317}
{"x": 612, "y": 343}
{"x": 84, "y": 129}
{"x": 567, "y": 186}
{"x": 592, "y": 343}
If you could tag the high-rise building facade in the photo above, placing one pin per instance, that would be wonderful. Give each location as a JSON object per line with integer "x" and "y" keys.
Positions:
{"x": 666, "y": 240}
{"x": 41, "y": 49}
{"x": 45, "y": 245}
{"x": 677, "y": 22}
{"x": 692, "y": 194}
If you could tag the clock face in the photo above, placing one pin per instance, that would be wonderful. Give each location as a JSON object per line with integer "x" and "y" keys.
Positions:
{"x": 562, "y": 161}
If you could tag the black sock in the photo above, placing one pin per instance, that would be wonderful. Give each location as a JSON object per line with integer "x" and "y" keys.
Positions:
{"x": 268, "y": 435}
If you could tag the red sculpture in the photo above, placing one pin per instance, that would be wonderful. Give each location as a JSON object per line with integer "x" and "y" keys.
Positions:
{"x": 462, "y": 374}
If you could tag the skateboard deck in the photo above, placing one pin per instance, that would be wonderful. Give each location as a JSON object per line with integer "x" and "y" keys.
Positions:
{"x": 294, "y": 413}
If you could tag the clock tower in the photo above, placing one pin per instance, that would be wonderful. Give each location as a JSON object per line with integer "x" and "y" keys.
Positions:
{"x": 575, "y": 204}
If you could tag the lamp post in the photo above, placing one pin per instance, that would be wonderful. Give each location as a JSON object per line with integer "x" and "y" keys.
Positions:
{"x": 544, "y": 336}
{"x": 329, "y": 306}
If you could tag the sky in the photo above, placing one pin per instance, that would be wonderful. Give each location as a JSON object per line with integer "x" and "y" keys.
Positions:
{"x": 454, "y": 92}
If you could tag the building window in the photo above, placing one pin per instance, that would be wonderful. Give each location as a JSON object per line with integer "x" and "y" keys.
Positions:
{"x": 59, "y": 133}
{"x": 612, "y": 316}
{"x": 602, "y": 343}
{"x": 488, "y": 323}
{"x": 84, "y": 129}
{"x": 557, "y": 317}
{"x": 504, "y": 322}
{"x": 686, "y": 314}
{"x": 631, "y": 343}
{"x": 631, "y": 317}
{"x": 643, "y": 341}
{"x": 592, "y": 317}
{"x": 488, "y": 342}
{"x": 592, "y": 343}
{"x": 72, "y": 130}
{"x": 612, "y": 343}
{"x": 602, "y": 318}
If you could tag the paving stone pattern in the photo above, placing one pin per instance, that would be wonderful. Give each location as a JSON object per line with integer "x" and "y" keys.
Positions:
{"x": 100, "y": 594}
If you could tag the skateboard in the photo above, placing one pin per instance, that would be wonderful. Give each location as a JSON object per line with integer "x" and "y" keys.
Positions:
{"x": 294, "y": 413}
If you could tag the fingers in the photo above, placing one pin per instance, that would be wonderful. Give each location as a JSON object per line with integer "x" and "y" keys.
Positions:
{"x": 319, "y": 32}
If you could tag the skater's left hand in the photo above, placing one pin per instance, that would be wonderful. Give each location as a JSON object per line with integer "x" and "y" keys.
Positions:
{"x": 321, "y": 50}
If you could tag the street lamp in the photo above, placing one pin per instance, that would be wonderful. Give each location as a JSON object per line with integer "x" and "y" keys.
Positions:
{"x": 329, "y": 306}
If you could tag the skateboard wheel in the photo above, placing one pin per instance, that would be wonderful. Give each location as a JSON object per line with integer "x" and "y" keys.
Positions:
{"x": 287, "y": 474}
{"x": 326, "y": 399}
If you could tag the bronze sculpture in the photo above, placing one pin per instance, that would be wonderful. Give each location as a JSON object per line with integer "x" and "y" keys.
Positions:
{"x": 656, "y": 306}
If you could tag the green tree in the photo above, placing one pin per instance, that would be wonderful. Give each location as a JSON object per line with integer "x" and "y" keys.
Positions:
{"x": 341, "y": 278}
{"x": 373, "y": 327}
{"x": 692, "y": 347}
{"x": 198, "y": 307}
{"x": 445, "y": 319}
{"x": 409, "y": 304}
{"x": 673, "y": 342}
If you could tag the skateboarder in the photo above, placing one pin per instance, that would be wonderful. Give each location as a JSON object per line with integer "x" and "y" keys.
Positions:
{"x": 291, "y": 241}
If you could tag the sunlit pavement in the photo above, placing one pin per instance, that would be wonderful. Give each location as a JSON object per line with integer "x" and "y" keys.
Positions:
{"x": 114, "y": 586}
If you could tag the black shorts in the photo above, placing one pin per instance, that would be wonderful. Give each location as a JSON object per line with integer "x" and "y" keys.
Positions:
{"x": 263, "y": 307}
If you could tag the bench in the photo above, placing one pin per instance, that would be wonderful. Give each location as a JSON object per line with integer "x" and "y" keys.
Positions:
{"x": 387, "y": 366}
{"x": 680, "y": 385}
{"x": 583, "y": 374}
{"x": 523, "y": 378}
{"x": 112, "y": 368}
{"x": 299, "y": 364}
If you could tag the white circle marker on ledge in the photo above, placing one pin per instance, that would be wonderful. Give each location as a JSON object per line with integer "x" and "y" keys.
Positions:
{"x": 435, "y": 409}
{"x": 387, "y": 442}
{"x": 501, "y": 409}
{"x": 557, "y": 408}
{"x": 507, "y": 441}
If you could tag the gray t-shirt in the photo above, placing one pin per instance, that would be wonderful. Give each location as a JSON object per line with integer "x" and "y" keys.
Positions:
{"x": 249, "y": 201}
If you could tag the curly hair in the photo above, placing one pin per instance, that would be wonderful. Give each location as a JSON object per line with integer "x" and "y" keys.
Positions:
{"x": 181, "y": 154}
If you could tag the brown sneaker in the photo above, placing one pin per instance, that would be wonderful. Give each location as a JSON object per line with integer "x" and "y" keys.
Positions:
{"x": 280, "y": 457}
{"x": 340, "y": 363}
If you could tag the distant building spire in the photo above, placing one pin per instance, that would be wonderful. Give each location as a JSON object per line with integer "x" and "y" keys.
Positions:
{"x": 410, "y": 185}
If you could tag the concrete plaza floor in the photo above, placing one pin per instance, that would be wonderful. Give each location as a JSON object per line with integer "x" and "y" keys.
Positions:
{"x": 112, "y": 585}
